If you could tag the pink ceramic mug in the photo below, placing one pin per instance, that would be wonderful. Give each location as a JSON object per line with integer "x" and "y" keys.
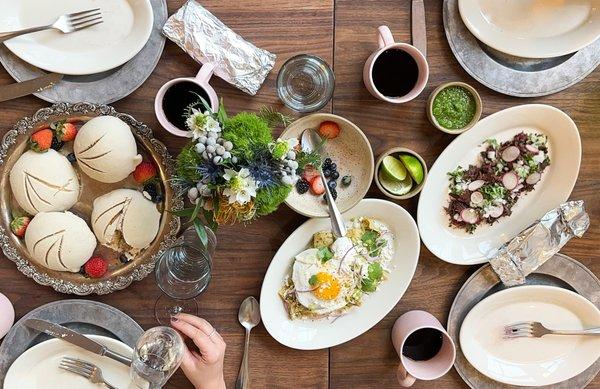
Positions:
{"x": 386, "y": 42}
{"x": 201, "y": 80}
{"x": 410, "y": 370}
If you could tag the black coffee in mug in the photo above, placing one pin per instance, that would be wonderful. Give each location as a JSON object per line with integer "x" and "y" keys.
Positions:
{"x": 395, "y": 73}
{"x": 423, "y": 344}
{"x": 178, "y": 97}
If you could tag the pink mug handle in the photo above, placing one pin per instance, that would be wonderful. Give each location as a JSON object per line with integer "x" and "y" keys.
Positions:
{"x": 205, "y": 73}
{"x": 384, "y": 36}
{"x": 404, "y": 378}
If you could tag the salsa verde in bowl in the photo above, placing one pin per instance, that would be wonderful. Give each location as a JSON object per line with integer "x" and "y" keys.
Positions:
{"x": 454, "y": 107}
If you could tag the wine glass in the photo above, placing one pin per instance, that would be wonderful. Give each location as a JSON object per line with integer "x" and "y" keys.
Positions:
{"x": 157, "y": 355}
{"x": 182, "y": 272}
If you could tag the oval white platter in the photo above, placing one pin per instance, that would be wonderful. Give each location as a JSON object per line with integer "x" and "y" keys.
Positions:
{"x": 564, "y": 145}
{"x": 126, "y": 27}
{"x": 323, "y": 333}
{"x": 533, "y": 28}
{"x": 38, "y": 366}
{"x": 530, "y": 361}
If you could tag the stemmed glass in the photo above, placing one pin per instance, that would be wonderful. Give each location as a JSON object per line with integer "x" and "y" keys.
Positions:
{"x": 183, "y": 272}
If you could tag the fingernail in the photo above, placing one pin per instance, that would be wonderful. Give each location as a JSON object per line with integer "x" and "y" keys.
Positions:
{"x": 173, "y": 318}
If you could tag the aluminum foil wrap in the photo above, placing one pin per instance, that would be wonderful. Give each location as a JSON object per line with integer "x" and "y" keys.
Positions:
{"x": 522, "y": 255}
{"x": 206, "y": 39}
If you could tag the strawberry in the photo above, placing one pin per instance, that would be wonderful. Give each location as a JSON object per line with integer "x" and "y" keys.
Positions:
{"x": 144, "y": 172}
{"x": 41, "y": 140}
{"x": 96, "y": 267}
{"x": 65, "y": 132}
{"x": 309, "y": 173}
{"x": 19, "y": 224}
{"x": 316, "y": 186}
{"x": 329, "y": 129}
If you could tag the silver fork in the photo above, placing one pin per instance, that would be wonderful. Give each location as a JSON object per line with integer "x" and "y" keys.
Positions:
{"x": 535, "y": 329}
{"x": 65, "y": 23}
{"x": 84, "y": 369}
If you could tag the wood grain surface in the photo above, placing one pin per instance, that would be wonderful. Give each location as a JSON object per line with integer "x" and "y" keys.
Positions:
{"x": 343, "y": 33}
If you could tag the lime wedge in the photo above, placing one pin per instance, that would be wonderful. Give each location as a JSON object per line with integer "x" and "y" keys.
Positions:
{"x": 414, "y": 167}
{"x": 394, "y": 168}
{"x": 394, "y": 186}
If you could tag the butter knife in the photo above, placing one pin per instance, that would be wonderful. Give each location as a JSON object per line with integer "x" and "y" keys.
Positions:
{"x": 73, "y": 337}
{"x": 24, "y": 88}
{"x": 419, "y": 31}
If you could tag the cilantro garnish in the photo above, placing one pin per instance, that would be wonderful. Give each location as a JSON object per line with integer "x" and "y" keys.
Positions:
{"x": 373, "y": 242}
{"x": 324, "y": 254}
{"x": 312, "y": 281}
{"x": 374, "y": 276}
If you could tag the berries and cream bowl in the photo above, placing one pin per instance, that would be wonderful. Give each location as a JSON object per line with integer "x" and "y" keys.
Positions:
{"x": 85, "y": 198}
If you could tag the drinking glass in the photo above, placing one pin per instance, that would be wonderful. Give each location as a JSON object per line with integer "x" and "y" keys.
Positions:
{"x": 305, "y": 83}
{"x": 183, "y": 272}
{"x": 157, "y": 355}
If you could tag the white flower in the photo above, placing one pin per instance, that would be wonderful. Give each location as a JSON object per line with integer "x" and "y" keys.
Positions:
{"x": 241, "y": 186}
{"x": 201, "y": 123}
{"x": 281, "y": 147}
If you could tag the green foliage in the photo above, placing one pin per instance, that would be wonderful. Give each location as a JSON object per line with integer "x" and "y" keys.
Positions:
{"x": 187, "y": 162}
{"x": 274, "y": 118}
{"x": 324, "y": 254}
{"x": 267, "y": 200}
{"x": 313, "y": 158}
{"x": 374, "y": 276}
{"x": 247, "y": 131}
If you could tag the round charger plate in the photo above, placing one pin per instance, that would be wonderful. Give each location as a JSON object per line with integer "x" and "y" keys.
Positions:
{"x": 83, "y": 316}
{"x": 561, "y": 271}
{"x": 99, "y": 88}
{"x": 510, "y": 75}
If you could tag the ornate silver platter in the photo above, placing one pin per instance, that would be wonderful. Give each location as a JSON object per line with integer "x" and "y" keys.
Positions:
{"x": 561, "y": 271}
{"x": 510, "y": 75}
{"x": 100, "y": 88}
{"x": 120, "y": 275}
{"x": 84, "y": 316}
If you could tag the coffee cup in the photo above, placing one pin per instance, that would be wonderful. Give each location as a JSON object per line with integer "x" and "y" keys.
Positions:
{"x": 396, "y": 72}
{"x": 166, "y": 118}
{"x": 425, "y": 349}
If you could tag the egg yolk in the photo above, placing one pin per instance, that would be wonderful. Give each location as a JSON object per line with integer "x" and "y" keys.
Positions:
{"x": 328, "y": 286}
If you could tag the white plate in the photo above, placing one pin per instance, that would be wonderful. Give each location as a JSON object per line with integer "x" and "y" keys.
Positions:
{"x": 38, "y": 367}
{"x": 126, "y": 28}
{"x": 533, "y": 28}
{"x": 530, "y": 361}
{"x": 457, "y": 246}
{"x": 323, "y": 333}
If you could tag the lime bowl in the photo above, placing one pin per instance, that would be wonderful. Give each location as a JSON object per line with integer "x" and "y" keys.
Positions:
{"x": 381, "y": 174}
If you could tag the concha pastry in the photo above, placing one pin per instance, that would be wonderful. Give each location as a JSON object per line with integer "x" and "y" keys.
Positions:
{"x": 106, "y": 150}
{"x": 125, "y": 221}
{"x": 60, "y": 241}
{"x": 44, "y": 182}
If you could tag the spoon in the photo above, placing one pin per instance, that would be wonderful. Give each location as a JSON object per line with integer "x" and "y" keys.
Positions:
{"x": 249, "y": 317}
{"x": 310, "y": 142}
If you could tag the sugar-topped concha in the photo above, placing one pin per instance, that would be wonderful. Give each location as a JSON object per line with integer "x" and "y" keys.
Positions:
{"x": 60, "y": 241}
{"x": 44, "y": 182}
{"x": 106, "y": 150}
{"x": 125, "y": 221}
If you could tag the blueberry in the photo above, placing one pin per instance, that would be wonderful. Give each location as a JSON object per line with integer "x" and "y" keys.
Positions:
{"x": 71, "y": 158}
{"x": 333, "y": 167}
{"x": 302, "y": 186}
{"x": 335, "y": 175}
{"x": 334, "y": 193}
{"x": 326, "y": 173}
{"x": 332, "y": 184}
{"x": 346, "y": 180}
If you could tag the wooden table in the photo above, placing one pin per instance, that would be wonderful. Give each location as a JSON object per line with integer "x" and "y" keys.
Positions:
{"x": 343, "y": 33}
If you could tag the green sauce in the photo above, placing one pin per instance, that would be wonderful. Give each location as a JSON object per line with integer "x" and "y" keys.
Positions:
{"x": 454, "y": 107}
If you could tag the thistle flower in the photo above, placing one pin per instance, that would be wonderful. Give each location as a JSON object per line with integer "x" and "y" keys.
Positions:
{"x": 210, "y": 172}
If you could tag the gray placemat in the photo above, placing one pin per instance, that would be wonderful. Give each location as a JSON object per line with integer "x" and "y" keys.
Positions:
{"x": 84, "y": 316}
{"x": 510, "y": 75}
{"x": 100, "y": 88}
{"x": 561, "y": 271}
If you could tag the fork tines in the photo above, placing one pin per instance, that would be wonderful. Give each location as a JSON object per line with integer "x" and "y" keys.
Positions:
{"x": 519, "y": 330}
{"x": 77, "y": 366}
{"x": 85, "y": 19}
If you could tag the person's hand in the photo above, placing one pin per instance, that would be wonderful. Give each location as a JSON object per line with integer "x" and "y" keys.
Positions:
{"x": 204, "y": 369}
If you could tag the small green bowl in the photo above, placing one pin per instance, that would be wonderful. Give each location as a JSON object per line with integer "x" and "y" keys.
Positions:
{"x": 478, "y": 107}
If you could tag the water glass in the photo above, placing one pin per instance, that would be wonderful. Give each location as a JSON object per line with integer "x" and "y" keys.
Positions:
{"x": 157, "y": 355}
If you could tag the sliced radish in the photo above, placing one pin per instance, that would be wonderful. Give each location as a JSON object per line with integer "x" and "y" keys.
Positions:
{"x": 533, "y": 178}
{"x": 518, "y": 188}
{"x": 469, "y": 215}
{"x": 496, "y": 211}
{"x": 457, "y": 217}
{"x": 475, "y": 185}
{"x": 532, "y": 148}
{"x": 477, "y": 198}
{"x": 510, "y": 153}
{"x": 510, "y": 180}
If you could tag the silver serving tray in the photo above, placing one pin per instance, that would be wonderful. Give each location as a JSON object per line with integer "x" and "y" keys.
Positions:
{"x": 561, "y": 271}
{"x": 511, "y": 75}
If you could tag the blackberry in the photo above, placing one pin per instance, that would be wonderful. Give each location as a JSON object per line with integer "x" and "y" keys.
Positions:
{"x": 302, "y": 186}
{"x": 335, "y": 175}
{"x": 327, "y": 163}
{"x": 326, "y": 173}
{"x": 333, "y": 194}
{"x": 346, "y": 180}
{"x": 152, "y": 190}
{"x": 56, "y": 144}
{"x": 332, "y": 184}
{"x": 71, "y": 158}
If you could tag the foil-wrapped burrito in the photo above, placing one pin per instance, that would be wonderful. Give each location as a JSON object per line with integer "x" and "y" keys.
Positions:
{"x": 522, "y": 255}
{"x": 207, "y": 40}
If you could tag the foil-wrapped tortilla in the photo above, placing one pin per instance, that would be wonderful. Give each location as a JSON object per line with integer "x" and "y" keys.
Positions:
{"x": 207, "y": 40}
{"x": 522, "y": 255}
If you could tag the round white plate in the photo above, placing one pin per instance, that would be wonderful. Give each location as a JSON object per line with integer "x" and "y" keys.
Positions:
{"x": 38, "y": 366}
{"x": 533, "y": 28}
{"x": 530, "y": 361}
{"x": 323, "y": 333}
{"x": 457, "y": 246}
{"x": 126, "y": 27}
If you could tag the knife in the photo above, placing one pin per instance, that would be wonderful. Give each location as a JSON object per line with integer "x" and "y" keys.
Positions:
{"x": 24, "y": 88}
{"x": 63, "y": 333}
{"x": 419, "y": 31}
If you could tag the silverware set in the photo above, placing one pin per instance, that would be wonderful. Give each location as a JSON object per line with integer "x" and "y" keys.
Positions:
{"x": 85, "y": 369}
{"x": 534, "y": 329}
